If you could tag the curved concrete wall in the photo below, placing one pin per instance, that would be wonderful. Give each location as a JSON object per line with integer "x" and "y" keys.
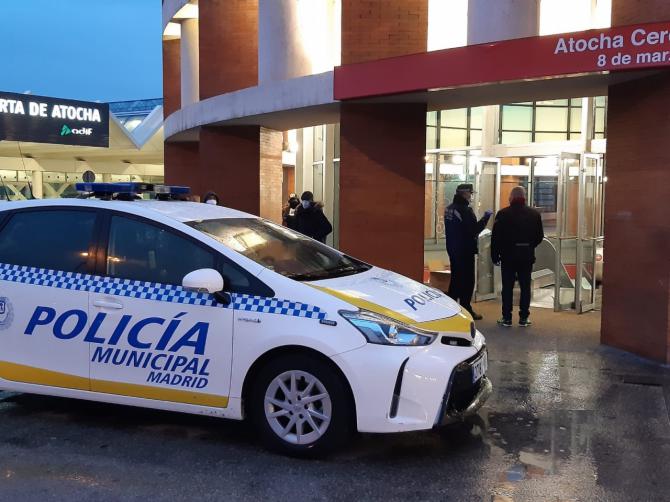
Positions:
{"x": 170, "y": 8}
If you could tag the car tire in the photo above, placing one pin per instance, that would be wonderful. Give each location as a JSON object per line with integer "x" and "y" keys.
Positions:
{"x": 301, "y": 407}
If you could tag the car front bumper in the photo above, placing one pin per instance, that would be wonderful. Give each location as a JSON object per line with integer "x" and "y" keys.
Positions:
{"x": 404, "y": 389}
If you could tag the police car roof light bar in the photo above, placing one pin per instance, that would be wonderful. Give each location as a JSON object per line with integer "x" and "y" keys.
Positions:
{"x": 128, "y": 190}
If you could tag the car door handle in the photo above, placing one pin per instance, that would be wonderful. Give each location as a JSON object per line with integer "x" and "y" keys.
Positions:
{"x": 107, "y": 305}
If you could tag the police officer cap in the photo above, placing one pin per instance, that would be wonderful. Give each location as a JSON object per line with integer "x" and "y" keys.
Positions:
{"x": 465, "y": 187}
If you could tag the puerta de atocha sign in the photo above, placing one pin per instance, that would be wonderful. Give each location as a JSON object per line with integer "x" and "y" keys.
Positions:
{"x": 24, "y": 117}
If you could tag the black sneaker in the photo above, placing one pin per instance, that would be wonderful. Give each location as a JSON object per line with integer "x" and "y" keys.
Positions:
{"x": 525, "y": 322}
{"x": 505, "y": 322}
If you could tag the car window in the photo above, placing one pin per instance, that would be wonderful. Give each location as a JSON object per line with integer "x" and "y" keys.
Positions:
{"x": 53, "y": 239}
{"x": 280, "y": 249}
{"x": 145, "y": 252}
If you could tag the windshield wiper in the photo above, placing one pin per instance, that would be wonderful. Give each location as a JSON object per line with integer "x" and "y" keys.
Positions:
{"x": 307, "y": 277}
{"x": 349, "y": 269}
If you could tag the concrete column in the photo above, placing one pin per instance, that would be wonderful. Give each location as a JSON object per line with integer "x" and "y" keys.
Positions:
{"x": 382, "y": 146}
{"x": 331, "y": 182}
{"x": 493, "y": 20}
{"x": 181, "y": 165}
{"x": 380, "y": 174}
{"x": 171, "y": 76}
{"x": 271, "y": 174}
{"x": 636, "y": 285}
{"x": 36, "y": 183}
{"x": 281, "y": 52}
{"x": 190, "y": 62}
{"x": 377, "y": 29}
{"x": 228, "y": 46}
{"x": 490, "y": 130}
{"x": 230, "y": 166}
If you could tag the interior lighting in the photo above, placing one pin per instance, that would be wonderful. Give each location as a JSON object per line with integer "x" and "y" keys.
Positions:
{"x": 293, "y": 141}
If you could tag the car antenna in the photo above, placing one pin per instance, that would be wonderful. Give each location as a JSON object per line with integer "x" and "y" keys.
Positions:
{"x": 23, "y": 162}
{"x": 30, "y": 187}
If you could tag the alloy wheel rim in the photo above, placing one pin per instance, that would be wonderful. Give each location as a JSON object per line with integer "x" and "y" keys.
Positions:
{"x": 298, "y": 407}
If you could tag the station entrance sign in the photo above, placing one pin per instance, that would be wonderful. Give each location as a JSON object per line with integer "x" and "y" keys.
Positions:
{"x": 633, "y": 47}
{"x": 24, "y": 117}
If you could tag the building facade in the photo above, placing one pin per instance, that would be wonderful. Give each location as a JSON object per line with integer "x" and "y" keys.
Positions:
{"x": 382, "y": 107}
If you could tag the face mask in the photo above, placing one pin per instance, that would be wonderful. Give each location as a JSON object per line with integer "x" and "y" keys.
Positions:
{"x": 211, "y": 201}
{"x": 305, "y": 204}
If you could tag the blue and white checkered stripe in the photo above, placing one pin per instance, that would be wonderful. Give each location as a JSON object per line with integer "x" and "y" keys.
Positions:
{"x": 152, "y": 291}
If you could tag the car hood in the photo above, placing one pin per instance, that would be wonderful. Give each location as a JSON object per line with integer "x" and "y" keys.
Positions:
{"x": 400, "y": 298}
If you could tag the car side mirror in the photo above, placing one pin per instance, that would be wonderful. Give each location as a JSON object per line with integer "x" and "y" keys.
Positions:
{"x": 204, "y": 280}
{"x": 207, "y": 280}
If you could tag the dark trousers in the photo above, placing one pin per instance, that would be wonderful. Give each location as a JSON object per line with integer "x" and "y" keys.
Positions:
{"x": 513, "y": 271}
{"x": 462, "y": 283}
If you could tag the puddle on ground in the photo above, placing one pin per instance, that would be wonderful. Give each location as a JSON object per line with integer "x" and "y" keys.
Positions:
{"x": 535, "y": 447}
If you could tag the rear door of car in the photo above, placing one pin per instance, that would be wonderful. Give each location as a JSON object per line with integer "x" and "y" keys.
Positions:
{"x": 46, "y": 257}
{"x": 156, "y": 340}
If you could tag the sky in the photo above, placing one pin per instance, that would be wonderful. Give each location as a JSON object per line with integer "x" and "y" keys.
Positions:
{"x": 92, "y": 50}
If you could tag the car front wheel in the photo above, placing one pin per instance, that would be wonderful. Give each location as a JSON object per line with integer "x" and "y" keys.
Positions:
{"x": 301, "y": 406}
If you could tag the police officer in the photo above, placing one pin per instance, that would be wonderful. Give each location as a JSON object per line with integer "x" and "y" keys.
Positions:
{"x": 462, "y": 230}
{"x": 517, "y": 231}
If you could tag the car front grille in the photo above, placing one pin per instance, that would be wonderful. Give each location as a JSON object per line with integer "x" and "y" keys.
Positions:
{"x": 461, "y": 391}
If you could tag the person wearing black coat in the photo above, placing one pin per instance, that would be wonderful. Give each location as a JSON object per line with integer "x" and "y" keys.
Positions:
{"x": 310, "y": 220}
{"x": 462, "y": 231}
{"x": 288, "y": 212}
{"x": 517, "y": 231}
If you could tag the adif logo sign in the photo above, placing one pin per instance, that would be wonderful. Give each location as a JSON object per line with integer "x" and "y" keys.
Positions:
{"x": 84, "y": 131}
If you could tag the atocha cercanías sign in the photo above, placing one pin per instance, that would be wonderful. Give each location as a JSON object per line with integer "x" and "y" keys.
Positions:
{"x": 24, "y": 117}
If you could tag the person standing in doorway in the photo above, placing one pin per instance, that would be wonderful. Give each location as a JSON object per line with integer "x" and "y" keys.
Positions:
{"x": 517, "y": 231}
{"x": 310, "y": 220}
{"x": 462, "y": 231}
{"x": 288, "y": 212}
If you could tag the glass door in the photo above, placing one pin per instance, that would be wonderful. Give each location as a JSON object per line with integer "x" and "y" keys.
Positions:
{"x": 579, "y": 240}
{"x": 487, "y": 197}
{"x": 565, "y": 266}
{"x": 590, "y": 239}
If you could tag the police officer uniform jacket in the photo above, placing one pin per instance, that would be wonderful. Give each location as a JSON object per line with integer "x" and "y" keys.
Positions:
{"x": 462, "y": 228}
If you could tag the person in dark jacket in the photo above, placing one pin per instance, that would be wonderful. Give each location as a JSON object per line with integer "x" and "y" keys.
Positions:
{"x": 211, "y": 198}
{"x": 310, "y": 220}
{"x": 517, "y": 231}
{"x": 462, "y": 230}
{"x": 288, "y": 212}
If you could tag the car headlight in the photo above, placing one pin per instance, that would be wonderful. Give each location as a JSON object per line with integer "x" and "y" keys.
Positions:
{"x": 385, "y": 331}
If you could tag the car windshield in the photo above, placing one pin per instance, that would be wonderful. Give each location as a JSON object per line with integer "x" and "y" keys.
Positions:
{"x": 280, "y": 249}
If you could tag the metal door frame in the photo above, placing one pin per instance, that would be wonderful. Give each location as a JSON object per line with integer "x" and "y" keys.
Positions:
{"x": 560, "y": 226}
{"x": 586, "y": 305}
{"x": 581, "y": 305}
{"x": 496, "y": 202}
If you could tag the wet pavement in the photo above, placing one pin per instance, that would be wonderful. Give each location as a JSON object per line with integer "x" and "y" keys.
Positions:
{"x": 568, "y": 420}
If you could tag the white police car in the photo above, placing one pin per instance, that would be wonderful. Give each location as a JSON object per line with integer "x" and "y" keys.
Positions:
{"x": 201, "y": 309}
